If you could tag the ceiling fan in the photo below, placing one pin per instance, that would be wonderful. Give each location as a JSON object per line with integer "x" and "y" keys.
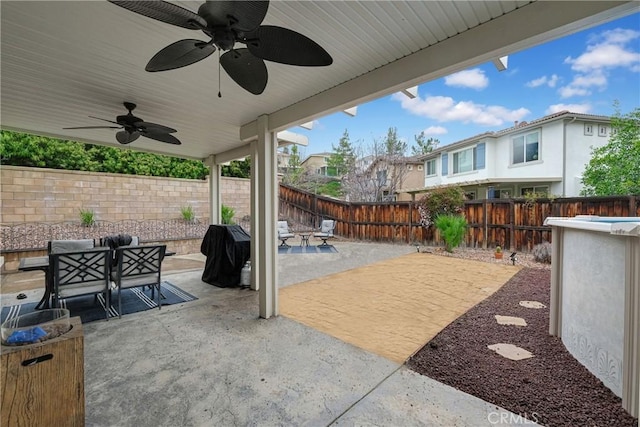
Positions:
{"x": 133, "y": 127}
{"x": 227, "y": 23}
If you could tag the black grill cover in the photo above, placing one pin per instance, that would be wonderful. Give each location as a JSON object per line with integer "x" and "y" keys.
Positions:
{"x": 227, "y": 248}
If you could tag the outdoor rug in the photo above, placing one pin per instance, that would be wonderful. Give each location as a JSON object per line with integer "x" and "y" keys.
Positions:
{"x": 393, "y": 307}
{"x": 329, "y": 249}
{"x": 133, "y": 300}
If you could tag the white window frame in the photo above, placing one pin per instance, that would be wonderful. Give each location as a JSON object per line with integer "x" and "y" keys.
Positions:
{"x": 524, "y": 136}
{"x": 433, "y": 171}
{"x": 537, "y": 189}
{"x": 456, "y": 154}
{"x": 588, "y": 129}
{"x": 602, "y": 130}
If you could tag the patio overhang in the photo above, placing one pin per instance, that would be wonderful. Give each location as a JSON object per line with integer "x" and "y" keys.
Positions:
{"x": 64, "y": 61}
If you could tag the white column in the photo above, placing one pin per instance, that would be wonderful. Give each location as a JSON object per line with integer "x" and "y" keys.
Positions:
{"x": 255, "y": 213}
{"x": 631, "y": 352}
{"x": 555, "y": 309}
{"x": 214, "y": 190}
{"x": 266, "y": 213}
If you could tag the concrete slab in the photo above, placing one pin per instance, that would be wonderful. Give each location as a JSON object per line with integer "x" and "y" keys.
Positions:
{"x": 510, "y": 351}
{"x": 510, "y": 320}
{"x": 213, "y": 362}
{"x": 409, "y": 399}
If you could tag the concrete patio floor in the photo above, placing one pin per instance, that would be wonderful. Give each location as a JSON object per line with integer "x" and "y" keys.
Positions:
{"x": 213, "y": 362}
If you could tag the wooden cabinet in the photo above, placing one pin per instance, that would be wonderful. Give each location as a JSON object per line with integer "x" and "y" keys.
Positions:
{"x": 43, "y": 384}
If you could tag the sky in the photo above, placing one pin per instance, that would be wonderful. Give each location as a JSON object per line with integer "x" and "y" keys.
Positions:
{"x": 585, "y": 72}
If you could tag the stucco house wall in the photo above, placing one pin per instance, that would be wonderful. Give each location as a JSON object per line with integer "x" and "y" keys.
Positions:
{"x": 565, "y": 141}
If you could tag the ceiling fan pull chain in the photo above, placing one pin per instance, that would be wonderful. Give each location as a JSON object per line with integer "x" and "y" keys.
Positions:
{"x": 219, "y": 93}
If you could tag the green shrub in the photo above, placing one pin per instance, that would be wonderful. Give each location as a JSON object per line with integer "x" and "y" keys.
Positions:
{"x": 452, "y": 227}
{"x": 440, "y": 201}
{"x": 187, "y": 213}
{"x": 87, "y": 217}
{"x": 227, "y": 214}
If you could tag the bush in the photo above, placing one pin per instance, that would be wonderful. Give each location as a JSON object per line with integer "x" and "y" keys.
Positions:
{"x": 227, "y": 214}
{"x": 187, "y": 213}
{"x": 542, "y": 253}
{"x": 87, "y": 217}
{"x": 452, "y": 227}
{"x": 440, "y": 201}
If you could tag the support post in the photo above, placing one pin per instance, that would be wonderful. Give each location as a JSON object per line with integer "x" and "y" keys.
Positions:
{"x": 555, "y": 309}
{"x": 266, "y": 213}
{"x": 214, "y": 190}
{"x": 631, "y": 349}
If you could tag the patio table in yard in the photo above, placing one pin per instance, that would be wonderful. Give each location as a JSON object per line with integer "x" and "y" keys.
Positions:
{"x": 41, "y": 263}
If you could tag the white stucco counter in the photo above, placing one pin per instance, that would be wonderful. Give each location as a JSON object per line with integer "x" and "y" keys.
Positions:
{"x": 595, "y": 298}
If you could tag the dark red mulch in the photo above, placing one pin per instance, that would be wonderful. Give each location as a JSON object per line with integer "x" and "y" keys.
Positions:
{"x": 552, "y": 388}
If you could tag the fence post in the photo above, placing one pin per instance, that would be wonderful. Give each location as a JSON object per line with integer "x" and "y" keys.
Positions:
{"x": 512, "y": 225}
{"x": 484, "y": 225}
{"x": 632, "y": 206}
{"x": 410, "y": 231}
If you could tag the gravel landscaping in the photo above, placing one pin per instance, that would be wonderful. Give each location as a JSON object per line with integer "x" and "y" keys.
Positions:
{"x": 551, "y": 388}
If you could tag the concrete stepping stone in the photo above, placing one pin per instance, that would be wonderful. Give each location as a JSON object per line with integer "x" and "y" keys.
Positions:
{"x": 510, "y": 320}
{"x": 510, "y": 351}
{"x": 532, "y": 304}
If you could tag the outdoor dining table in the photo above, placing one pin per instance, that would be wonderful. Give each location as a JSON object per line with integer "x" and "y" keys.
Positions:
{"x": 41, "y": 263}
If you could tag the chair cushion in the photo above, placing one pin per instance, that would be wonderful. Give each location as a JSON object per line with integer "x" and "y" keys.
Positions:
{"x": 84, "y": 288}
{"x": 135, "y": 281}
{"x": 58, "y": 246}
{"x": 285, "y": 235}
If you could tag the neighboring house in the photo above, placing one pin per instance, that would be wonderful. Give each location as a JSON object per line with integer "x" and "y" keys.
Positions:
{"x": 547, "y": 155}
{"x": 283, "y": 160}
{"x": 317, "y": 164}
{"x": 390, "y": 174}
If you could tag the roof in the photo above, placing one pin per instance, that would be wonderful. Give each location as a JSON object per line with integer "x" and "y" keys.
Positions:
{"x": 518, "y": 127}
{"x": 65, "y": 61}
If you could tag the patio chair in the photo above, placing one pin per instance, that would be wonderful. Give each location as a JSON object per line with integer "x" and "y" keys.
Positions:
{"x": 80, "y": 273}
{"x": 326, "y": 231}
{"x": 138, "y": 266}
{"x": 116, "y": 241}
{"x": 284, "y": 233}
{"x": 57, "y": 246}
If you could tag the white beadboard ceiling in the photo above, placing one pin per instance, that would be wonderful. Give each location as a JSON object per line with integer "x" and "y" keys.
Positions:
{"x": 63, "y": 61}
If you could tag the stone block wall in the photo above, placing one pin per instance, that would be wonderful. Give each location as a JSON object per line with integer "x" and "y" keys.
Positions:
{"x": 52, "y": 195}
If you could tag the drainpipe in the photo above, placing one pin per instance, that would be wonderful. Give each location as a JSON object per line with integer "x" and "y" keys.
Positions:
{"x": 564, "y": 155}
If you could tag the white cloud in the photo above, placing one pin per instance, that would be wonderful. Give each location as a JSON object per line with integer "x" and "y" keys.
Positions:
{"x": 435, "y": 130}
{"x": 544, "y": 80}
{"x": 569, "y": 91}
{"x": 608, "y": 50}
{"x": 582, "y": 83}
{"x": 574, "y": 108}
{"x": 474, "y": 79}
{"x": 445, "y": 109}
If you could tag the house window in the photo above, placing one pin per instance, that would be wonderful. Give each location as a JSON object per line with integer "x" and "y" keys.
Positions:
{"x": 470, "y": 195}
{"x": 431, "y": 167}
{"x": 602, "y": 130}
{"x": 420, "y": 167}
{"x": 526, "y": 148}
{"x": 588, "y": 129}
{"x": 463, "y": 161}
{"x": 410, "y": 167}
{"x": 541, "y": 189}
{"x": 382, "y": 177}
{"x": 498, "y": 193}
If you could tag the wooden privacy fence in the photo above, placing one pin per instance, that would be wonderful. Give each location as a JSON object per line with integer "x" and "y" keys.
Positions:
{"x": 515, "y": 224}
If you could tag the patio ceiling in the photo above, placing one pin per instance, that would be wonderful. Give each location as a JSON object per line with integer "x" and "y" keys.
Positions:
{"x": 64, "y": 61}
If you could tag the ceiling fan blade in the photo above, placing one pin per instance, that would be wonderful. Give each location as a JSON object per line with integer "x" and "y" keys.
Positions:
{"x": 153, "y": 127}
{"x": 96, "y": 127}
{"x": 239, "y": 15}
{"x": 165, "y": 12}
{"x": 163, "y": 137}
{"x": 124, "y": 137}
{"x": 286, "y": 46}
{"x": 245, "y": 69}
{"x": 180, "y": 54}
{"x": 104, "y": 120}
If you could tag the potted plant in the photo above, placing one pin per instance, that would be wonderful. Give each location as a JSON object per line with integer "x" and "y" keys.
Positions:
{"x": 498, "y": 252}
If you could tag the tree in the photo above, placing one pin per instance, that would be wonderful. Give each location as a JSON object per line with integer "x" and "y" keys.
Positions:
{"x": 381, "y": 175}
{"x": 424, "y": 145}
{"x": 393, "y": 145}
{"x": 294, "y": 170}
{"x": 343, "y": 157}
{"x": 614, "y": 169}
{"x": 237, "y": 168}
{"x": 21, "y": 149}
